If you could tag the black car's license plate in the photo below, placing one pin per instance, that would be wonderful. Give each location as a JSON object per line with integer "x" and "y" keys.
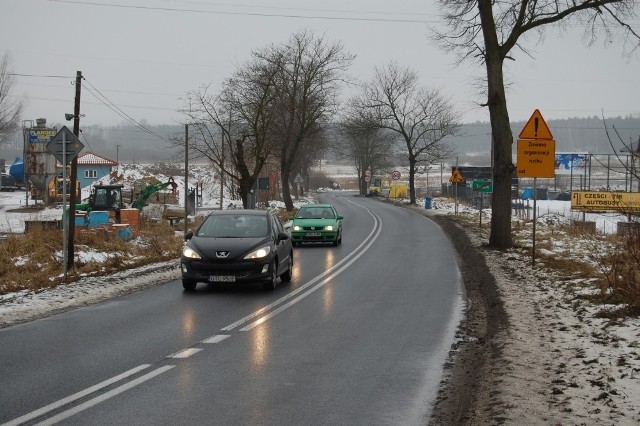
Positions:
{"x": 222, "y": 278}
{"x": 313, "y": 234}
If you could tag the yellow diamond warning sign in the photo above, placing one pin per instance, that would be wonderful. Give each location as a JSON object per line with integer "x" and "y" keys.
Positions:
{"x": 456, "y": 176}
{"x": 536, "y": 128}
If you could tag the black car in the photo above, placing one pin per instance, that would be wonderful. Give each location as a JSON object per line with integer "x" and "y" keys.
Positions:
{"x": 237, "y": 246}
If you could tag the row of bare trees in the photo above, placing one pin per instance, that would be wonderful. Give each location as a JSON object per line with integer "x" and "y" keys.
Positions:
{"x": 281, "y": 105}
{"x": 274, "y": 108}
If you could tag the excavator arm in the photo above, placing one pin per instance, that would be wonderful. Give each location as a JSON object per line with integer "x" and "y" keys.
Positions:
{"x": 141, "y": 201}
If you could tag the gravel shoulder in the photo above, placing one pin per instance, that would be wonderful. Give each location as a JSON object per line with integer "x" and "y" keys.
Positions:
{"x": 530, "y": 349}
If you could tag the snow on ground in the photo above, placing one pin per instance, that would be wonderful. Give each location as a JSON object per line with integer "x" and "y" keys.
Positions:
{"x": 562, "y": 364}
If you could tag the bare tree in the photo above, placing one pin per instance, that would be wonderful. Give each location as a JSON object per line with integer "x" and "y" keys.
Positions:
{"x": 309, "y": 74}
{"x": 366, "y": 144}
{"x": 239, "y": 137}
{"x": 10, "y": 109}
{"x": 421, "y": 117}
{"x": 489, "y": 31}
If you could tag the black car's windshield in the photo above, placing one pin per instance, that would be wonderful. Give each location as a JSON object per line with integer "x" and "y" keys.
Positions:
{"x": 315, "y": 213}
{"x": 234, "y": 226}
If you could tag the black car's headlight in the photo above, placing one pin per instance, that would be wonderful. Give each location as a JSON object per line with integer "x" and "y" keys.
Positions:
{"x": 259, "y": 253}
{"x": 190, "y": 253}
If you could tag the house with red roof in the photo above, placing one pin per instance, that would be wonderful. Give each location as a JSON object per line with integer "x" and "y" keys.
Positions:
{"x": 92, "y": 167}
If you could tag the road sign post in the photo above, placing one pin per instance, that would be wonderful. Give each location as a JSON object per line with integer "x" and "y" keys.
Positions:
{"x": 536, "y": 158}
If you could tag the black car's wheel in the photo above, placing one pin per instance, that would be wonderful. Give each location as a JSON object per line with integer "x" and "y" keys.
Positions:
{"x": 271, "y": 283}
{"x": 287, "y": 275}
{"x": 189, "y": 285}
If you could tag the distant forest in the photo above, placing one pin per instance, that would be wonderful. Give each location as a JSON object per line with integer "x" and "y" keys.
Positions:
{"x": 131, "y": 144}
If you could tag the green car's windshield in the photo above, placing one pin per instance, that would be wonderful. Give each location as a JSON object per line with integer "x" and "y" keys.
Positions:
{"x": 315, "y": 213}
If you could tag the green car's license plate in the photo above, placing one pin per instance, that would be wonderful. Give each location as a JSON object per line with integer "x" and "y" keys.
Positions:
{"x": 222, "y": 278}
{"x": 313, "y": 234}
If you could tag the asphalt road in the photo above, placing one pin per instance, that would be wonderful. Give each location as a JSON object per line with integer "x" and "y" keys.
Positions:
{"x": 359, "y": 337}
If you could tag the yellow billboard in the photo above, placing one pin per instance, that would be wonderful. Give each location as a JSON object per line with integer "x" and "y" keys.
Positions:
{"x": 605, "y": 201}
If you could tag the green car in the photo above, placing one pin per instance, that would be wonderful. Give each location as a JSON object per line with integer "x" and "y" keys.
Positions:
{"x": 316, "y": 223}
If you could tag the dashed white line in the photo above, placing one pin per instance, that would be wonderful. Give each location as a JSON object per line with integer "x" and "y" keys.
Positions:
{"x": 185, "y": 353}
{"x": 215, "y": 339}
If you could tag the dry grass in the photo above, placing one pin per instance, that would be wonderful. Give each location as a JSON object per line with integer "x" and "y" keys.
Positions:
{"x": 34, "y": 261}
{"x": 620, "y": 270}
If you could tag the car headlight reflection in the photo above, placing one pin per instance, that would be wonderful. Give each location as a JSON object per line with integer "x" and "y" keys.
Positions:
{"x": 190, "y": 253}
{"x": 259, "y": 253}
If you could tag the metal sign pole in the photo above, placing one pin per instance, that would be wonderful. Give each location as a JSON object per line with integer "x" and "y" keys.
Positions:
{"x": 535, "y": 197}
{"x": 65, "y": 223}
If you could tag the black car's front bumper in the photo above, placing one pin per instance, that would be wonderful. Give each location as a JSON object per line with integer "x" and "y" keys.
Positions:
{"x": 244, "y": 271}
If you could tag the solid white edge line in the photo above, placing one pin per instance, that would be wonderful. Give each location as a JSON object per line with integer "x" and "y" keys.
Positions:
{"x": 74, "y": 397}
{"x": 97, "y": 400}
{"x": 310, "y": 283}
{"x": 302, "y": 296}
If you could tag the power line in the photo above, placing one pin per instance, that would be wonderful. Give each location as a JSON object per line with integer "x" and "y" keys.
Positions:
{"x": 109, "y": 104}
{"x": 40, "y": 75}
{"x": 269, "y": 15}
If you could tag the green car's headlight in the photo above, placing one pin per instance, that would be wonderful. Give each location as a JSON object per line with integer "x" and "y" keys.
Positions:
{"x": 328, "y": 228}
{"x": 297, "y": 228}
{"x": 190, "y": 253}
{"x": 259, "y": 253}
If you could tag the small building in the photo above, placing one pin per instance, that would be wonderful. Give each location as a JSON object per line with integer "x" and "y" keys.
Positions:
{"x": 92, "y": 167}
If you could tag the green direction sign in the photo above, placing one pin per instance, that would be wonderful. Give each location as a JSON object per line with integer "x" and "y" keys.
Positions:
{"x": 482, "y": 186}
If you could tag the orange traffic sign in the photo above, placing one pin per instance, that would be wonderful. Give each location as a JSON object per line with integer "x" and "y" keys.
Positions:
{"x": 456, "y": 176}
{"x": 536, "y": 158}
{"x": 536, "y": 128}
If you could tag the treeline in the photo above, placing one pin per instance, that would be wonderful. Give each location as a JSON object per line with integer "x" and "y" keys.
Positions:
{"x": 571, "y": 135}
{"x": 132, "y": 144}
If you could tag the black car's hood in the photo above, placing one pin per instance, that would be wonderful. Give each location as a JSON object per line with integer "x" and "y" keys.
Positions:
{"x": 237, "y": 248}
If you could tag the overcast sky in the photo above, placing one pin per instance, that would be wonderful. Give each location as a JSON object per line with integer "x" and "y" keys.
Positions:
{"x": 144, "y": 55}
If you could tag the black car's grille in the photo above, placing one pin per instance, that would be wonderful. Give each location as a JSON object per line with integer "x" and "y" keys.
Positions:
{"x": 240, "y": 270}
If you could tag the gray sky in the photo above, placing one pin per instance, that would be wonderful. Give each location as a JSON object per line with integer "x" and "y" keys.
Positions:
{"x": 145, "y": 56}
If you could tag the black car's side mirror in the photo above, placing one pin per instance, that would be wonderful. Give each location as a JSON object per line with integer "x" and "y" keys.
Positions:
{"x": 282, "y": 236}
{"x": 188, "y": 235}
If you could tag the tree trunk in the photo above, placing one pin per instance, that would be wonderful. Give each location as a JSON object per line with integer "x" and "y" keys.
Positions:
{"x": 412, "y": 180}
{"x": 502, "y": 139}
{"x": 284, "y": 179}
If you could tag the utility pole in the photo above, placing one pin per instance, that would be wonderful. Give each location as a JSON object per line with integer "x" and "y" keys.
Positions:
{"x": 186, "y": 176}
{"x": 74, "y": 176}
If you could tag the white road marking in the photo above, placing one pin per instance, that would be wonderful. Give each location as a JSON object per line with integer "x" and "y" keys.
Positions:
{"x": 364, "y": 246}
{"x": 39, "y": 412}
{"x": 185, "y": 353}
{"x": 321, "y": 284}
{"x": 97, "y": 400}
{"x": 216, "y": 339}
